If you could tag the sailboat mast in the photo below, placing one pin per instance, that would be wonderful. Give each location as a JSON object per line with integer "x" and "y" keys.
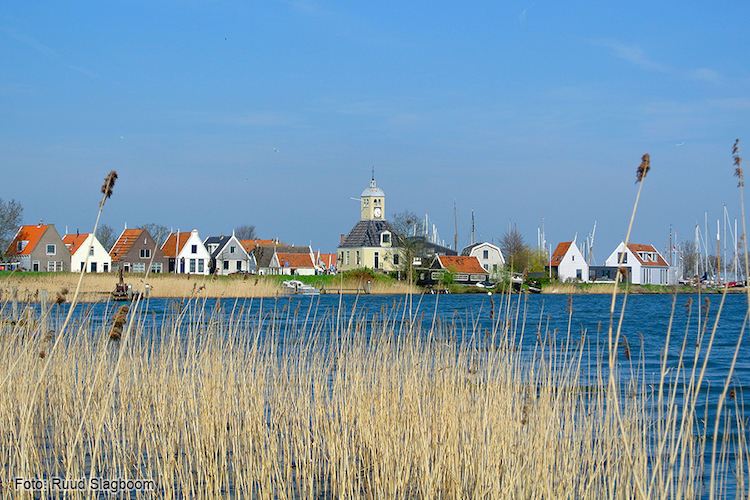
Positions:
{"x": 455, "y": 222}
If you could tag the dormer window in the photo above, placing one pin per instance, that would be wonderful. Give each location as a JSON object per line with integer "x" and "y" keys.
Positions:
{"x": 385, "y": 238}
{"x": 21, "y": 245}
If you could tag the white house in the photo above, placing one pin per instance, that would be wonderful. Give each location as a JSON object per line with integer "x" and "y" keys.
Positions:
{"x": 228, "y": 256}
{"x": 81, "y": 245}
{"x": 186, "y": 253}
{"x": 490, "y": 257}
{"x": 569, "y": 262}
{"x": 645, "y": 264}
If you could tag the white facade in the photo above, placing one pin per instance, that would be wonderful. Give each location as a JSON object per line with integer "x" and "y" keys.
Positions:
{"x": 571, "y": 265}
{"x": 647, "y": 266}
{"x": 99, "y": 259}
{"x": 490, "y": 258}
{"x": 193, "y": 257}
{"x": 230, "y": 256}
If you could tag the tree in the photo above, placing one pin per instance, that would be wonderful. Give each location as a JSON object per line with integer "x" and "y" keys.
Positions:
{"x": 158, "y": 232}
{"x": 516, "y": 251}
{"x": 245, "y": 232}
{"x": 409, "y": 230}
{"x": 11, "y": 218}
{"x": 106, "y": 236}
{"x": 690, "y": 259}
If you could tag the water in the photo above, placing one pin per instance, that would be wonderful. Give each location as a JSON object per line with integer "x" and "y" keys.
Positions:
{"x": 478, "y": 320}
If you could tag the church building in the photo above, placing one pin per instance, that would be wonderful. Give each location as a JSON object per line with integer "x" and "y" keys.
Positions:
{"x": 371, "y": 243}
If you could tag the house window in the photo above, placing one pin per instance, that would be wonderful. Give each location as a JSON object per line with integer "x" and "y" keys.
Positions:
{"x": 622, "y": 256}
{"x": 226, "y": 265}
{"x": 579, "y": 273}
{"x": 494, "y": 268}
{"x": 35, "y": 266}
{"x": 395, "y": 259}
{"x": 485, "y": 254}
{"x": 385, "y": 239}
{"x": 145, "y": 253}
{"x": 192, "y": 265}
{"x": 156, "y": 267}
{"x": 486, "y": 267}
{"x": 51, "y": 249}
{"x": 572, "y": 257}
{"x": 358, "y": 261}
{"x": 139, "y": 267}
{"x": 347, "y": 257}
{"x": 93, "y": 267}
{"x": 21, "y": 245}
{"x": 194, "y": 249}
{"x": 200, "y": 265}
{"x": 126, "y": 267}
{"x": 376, "y": 260}
{"x": 53, "y": 266}
{"x": 231, "y": 249}
{"x": 105, "y": 267}
{"x": 239, "y": 265}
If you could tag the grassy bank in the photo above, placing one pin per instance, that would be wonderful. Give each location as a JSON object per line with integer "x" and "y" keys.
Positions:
{"x": 96, "y": 287}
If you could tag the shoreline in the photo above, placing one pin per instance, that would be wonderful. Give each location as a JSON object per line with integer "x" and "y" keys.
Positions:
{"x": 97, "y": 287}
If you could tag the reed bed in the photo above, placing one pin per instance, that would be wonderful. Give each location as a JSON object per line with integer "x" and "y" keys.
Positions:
{"x": 98, "y": 286}
{"x": 214, "y": 403}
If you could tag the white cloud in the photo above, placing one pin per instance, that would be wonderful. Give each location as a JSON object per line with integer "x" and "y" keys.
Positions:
{"x": 633, "y": 54}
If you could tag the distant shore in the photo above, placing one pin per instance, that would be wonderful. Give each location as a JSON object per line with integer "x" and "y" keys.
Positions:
{"x": 97, "y": 287}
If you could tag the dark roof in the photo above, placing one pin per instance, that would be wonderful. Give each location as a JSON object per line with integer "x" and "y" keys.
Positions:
{"x": 264, "y": 254}
{"x": 216, "y": 240}
{"x": 366, "y": 233}
{"x": 467, "y": 251}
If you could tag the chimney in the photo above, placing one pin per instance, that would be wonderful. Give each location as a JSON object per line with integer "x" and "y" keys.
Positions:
{"x": 342, "y": 238}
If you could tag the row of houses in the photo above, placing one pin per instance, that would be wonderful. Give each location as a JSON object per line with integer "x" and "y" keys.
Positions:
{"x": 40, "y": 248}
{"x": 641, "y": 264}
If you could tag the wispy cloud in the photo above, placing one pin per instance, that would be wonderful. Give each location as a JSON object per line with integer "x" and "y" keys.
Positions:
{"x": 705, "y": 75}
{"x": 50, "y": 53}
{"x": 633, "y": 54}
{"x": 522, "y": 16}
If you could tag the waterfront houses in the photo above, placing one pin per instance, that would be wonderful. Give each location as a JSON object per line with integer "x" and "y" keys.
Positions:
{"x": 186, "y": 253}
{"x": 83, "y": 246}
{"x": 39, "y": 248}
{"x": 490, "y": 257}
{"x": 134, "y": 250}
{"x": 644, "y": 264}
{"x": 229, "y": 256}
{"x": 568, "y": 263}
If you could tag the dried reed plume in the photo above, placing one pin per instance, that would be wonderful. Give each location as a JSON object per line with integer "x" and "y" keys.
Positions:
{"x": 643, "y": 168}
{"x": 61, "y": 296}
{"x": 109, "y": 184}
{"x": 119, "y": 319}
{"x": 738, "y": 163}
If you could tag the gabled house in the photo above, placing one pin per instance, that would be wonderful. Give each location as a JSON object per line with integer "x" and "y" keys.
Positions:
{"x": 186, "y": 253}
{"x": 568, "y": 262}
{"x": 490, "y": 257}
{"x": 644, "y": 263}
{"x": 39, "y": 248}
{"x": 229, "y": 256}
{"x": 466, "y": 270}
{"x": 293, "y": 263}
{"x": 83, "y": 245}
{"x": 268, "y": 263}
{"x": 134, "y": 250}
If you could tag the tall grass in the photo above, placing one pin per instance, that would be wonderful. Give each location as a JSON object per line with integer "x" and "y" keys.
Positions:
{"x": 302, "y": 403}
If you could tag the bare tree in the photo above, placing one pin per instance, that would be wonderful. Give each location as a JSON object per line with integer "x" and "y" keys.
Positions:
{"x": 11, "y": 218}
{"x": 516, "y": 251}
{"x": 245, "y": 232}
{"x": 407, "y": 225}
{"x": 106, "y": 236}
{"x": 158, "y": 232}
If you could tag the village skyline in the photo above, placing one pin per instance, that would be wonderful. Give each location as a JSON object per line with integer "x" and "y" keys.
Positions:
{"x": 221, "y": 114}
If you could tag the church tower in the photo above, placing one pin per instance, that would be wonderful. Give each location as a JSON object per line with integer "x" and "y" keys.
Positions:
{"x": 373, "y": 201}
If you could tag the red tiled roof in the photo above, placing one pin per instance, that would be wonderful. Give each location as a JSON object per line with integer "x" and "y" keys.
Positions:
{"x": 250, "y": 244}
{"x": 169, "y": 248}
{"x": 560, "y": 251}
{"x": 74, "y": 241}
{"x": 32, "y": 234}
{"x": 635, "y": 248}
{"x": 295, "y": 260}
{"x": 461, "y": 264}
{"x": 124, "y": 244}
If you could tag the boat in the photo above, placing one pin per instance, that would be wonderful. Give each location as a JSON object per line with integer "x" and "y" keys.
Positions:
{"x": 298, "y": 288}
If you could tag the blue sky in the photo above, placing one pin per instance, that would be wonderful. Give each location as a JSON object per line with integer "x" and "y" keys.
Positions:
{"x": 527, "y": 112}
